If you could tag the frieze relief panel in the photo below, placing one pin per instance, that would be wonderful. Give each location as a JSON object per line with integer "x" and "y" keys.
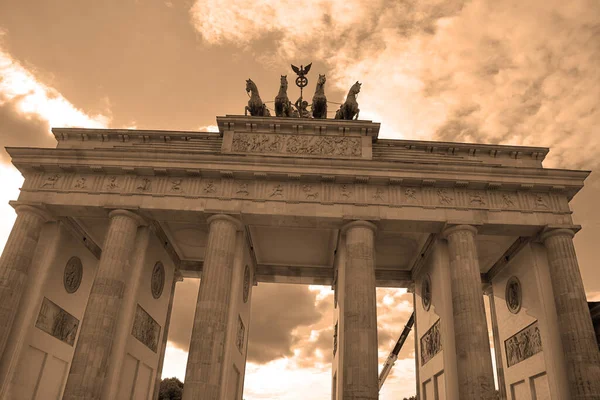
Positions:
{"x": 145, "y": 329}
{"x": 327, "y": 191}
{"x": 523, "y": 344}
{"x": 431, "y": 343}
{"x": 305, "y": 145}
{"x": 55, "y": 321}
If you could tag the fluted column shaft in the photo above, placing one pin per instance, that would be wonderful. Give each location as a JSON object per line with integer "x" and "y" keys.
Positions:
{"x": 204, "y": 373}
{"x": 360, "y": 367}
{"x": 574, "y": 321}
{"x": 15, "y": 264}
{"x": 90, "y": 360}
{"x": 474, "y": 360}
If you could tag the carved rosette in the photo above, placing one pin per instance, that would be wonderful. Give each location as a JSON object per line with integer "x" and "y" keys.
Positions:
{"x": 513, "y": 295}
{"x": 157, "y": 283}
{"x": 246, "y": 288}
{"x": 73, "y": 274}
{"x": 329, "y": 146}
{"x": 426, "y": 292}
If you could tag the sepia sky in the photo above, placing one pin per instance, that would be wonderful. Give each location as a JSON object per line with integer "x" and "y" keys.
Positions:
{"x": 508, "y": 72}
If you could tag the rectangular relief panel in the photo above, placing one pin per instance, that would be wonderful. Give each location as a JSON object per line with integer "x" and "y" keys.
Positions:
{"x": 142, "y": 382}
{"x": 128, "y": 377}
{"x": 519, "y": 391}
{"x": 431, "y": 343}
{"x": 55, "y": 321}
{"x": 241, "y": 332}
{"x": 300, "y": 145}
{"x": 27, "y": 377}
{"x": 53, "y": 378}
{"x": 146, "y": 329}
{"x": 440, "y": 386}
{"x": 523, "y": 344}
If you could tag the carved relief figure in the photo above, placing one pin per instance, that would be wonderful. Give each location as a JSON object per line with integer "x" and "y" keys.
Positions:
{"x": 524, "y": 344}
{"x": 80, "y": 184}
{"x": 51, "y": 181}
{"x": 476, "y": 198}
{"x": 145, "y": 329}
{"x": 349, "y": 110}
{"x": 243, "y": 190}
{"x": 378, "y": 194}
{"x": 283, "y": 105}
{"x": 277, "y": 191}
{"x": 144, "y": 185}
{"x": 176, "y": 185}
{"x": 540, "y": 202}
{"x": 319, "y": 101}
{"x": 240, "y": 335}
{"x": 255, "y": 105}
{"x": 307, "y": 189}
{"x": 209, "y": 187}
{"x": 345, "y": 191}
{"x": 302, "y": 108}
{"x": 72, "y": 274}
{"x": 507, "y": 199}
{"x": 335, "y": 336}
{"x": 513, "y": 295}
{"x": 55, "y": 321}
{"x": 411, "y": 194}
{"x": 246, "y": 288}
{"x": 443, "y": 197}
{"x": 431, "y": 343}
{"x": 112, "y": 183}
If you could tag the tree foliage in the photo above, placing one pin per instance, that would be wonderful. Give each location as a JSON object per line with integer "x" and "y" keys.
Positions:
{"x": 170, "y": 389}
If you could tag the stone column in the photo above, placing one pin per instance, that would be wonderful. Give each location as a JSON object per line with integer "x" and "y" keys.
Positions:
{"x": 204, "y": 373}
{"x": 574, "y": 321}
{"x": 360, "y": 367}
{"x": 15, "y": 264}
{"x": 474, "y": 360}
{"x": 489, "y": 291}
{"x": 90, "y": 360}
{"x": 129, "y": 301}
{"x": 177, "y": 277}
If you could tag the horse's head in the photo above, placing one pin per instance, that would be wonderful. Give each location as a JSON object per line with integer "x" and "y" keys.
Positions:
{"x": 250, "y": 86}
{"x": 321, "y": 80}
{"x": 284, "y": 82}
{"x": 355, "y": 89}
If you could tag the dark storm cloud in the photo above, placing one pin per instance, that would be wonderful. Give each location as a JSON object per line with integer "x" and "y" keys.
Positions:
{"x": 17, "y": 129}
{"x": 277, "y": 310}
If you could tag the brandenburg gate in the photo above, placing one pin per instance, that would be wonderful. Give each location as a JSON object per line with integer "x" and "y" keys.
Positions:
{"x": 110, "y": 220}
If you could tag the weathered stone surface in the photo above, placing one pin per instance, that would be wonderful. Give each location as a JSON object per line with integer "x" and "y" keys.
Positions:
{"x": 204, "y": 371}
{"x": 15, "y": 264}
{"x": 574, "y": 322}
{"x": 474, "y": 361}
{"x": 90, "y": 361}
{"x": 360, "y": 314}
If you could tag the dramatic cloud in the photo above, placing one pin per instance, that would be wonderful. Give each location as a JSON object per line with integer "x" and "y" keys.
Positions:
{"x": 499, "y": 72}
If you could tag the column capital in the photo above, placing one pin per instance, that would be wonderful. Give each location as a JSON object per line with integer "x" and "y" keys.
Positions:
{"x": 557, "y": 232}
{"x": 177, "y": 276}
{"x": 34, "y": 209}
{"x": 359, "y": 223}
{"x": 126, "y": 213}
{"x": 450, "y": 230}
{"x": 224, "y": 217}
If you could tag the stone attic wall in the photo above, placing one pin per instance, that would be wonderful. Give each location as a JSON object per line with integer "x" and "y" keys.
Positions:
{"x": 527, "y": 340}
{"x": 138, "y": 373}
{"x": 436, "y": 375}
{"x": 46, "y": 357}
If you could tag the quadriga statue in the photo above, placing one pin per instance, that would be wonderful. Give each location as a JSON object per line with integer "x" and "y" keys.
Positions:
{"x": 349, "y": 110}
{"x": 319, "y": 101}
{"x": 283, "y": 105}
{"x": 255, "y": 105}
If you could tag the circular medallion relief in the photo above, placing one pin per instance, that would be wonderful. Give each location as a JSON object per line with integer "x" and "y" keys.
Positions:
{"x": 157, "y": 283}
{"x": 426, "y": 292}
{"x": 246, "y": 284}
{"x": 513, "y": 295}
{"x": 73, "y": 274}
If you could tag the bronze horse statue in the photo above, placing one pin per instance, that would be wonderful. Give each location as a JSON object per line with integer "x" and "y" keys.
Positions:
{"x": 283, "y": 105}
{"x": 319, "y": 101}
{"x": 349, "y": 110}
{"x": 255, "y": 105}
